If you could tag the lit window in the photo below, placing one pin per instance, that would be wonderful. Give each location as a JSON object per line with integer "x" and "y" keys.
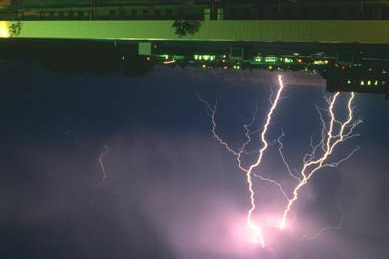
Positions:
{"x": 288, "y": 60}
{"x": 320, "y": 62}
{"x": 270, "y": 59}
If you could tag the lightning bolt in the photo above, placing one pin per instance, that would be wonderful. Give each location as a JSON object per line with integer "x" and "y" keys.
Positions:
{"x": 328, "y": 142}
{"x": 281, "y": 146}
{"x": 101, "y": 163}
{"x": 333, "y": 133}
{"x": 322, "y": 230}
{"x": 256, "y": 229}
{"x": 265, "y": 145}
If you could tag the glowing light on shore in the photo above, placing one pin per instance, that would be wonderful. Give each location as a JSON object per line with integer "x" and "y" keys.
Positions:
{"x": 4, "y": 29}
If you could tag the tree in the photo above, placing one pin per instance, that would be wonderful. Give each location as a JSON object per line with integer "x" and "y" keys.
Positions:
{"x": 15, "y": 28}
{"x": 184, "y": 27}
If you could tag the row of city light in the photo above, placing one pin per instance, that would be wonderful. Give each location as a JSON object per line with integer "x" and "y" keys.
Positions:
{"x": 266, "y": 60}
{"x": 367, "y": 82}
{"x": 286, "y": 60}
{"x": 255, "y": 60}
{"x": 204, "y": 57}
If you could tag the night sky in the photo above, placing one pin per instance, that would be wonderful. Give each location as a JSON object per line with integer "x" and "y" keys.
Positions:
{"x": 171, "y": 190}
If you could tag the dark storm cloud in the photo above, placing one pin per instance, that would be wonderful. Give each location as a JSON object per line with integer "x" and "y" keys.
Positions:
{"x": 171, "y": 190}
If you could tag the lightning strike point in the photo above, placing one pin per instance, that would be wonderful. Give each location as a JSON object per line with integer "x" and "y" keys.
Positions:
{"x": 255, "y": 234}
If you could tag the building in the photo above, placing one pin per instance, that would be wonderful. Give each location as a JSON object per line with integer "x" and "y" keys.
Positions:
{"x": 364, "y": 21}
{"x": 216, "y": 9}
{"x": 348, "y": 70}
{"x": 358, "y": 78}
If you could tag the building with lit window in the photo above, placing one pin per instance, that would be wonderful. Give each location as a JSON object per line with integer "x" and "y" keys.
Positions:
{"x": 361, "y": 79}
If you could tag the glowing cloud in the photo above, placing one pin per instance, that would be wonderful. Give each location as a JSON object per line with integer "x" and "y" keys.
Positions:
{"x": 333, "y": 133}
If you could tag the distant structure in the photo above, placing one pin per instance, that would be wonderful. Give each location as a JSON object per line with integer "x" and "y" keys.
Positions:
{"x": 212, "y": 9}
{"x": 344, "y": 71}
{"x": 326, "y": 21}
{"x": 374, "y": 79}
{"x": 224, "y": 34}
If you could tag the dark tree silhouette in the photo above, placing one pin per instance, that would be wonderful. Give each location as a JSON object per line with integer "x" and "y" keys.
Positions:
{"x": 184, "y": 27}
{"x": 15, "y": 28}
